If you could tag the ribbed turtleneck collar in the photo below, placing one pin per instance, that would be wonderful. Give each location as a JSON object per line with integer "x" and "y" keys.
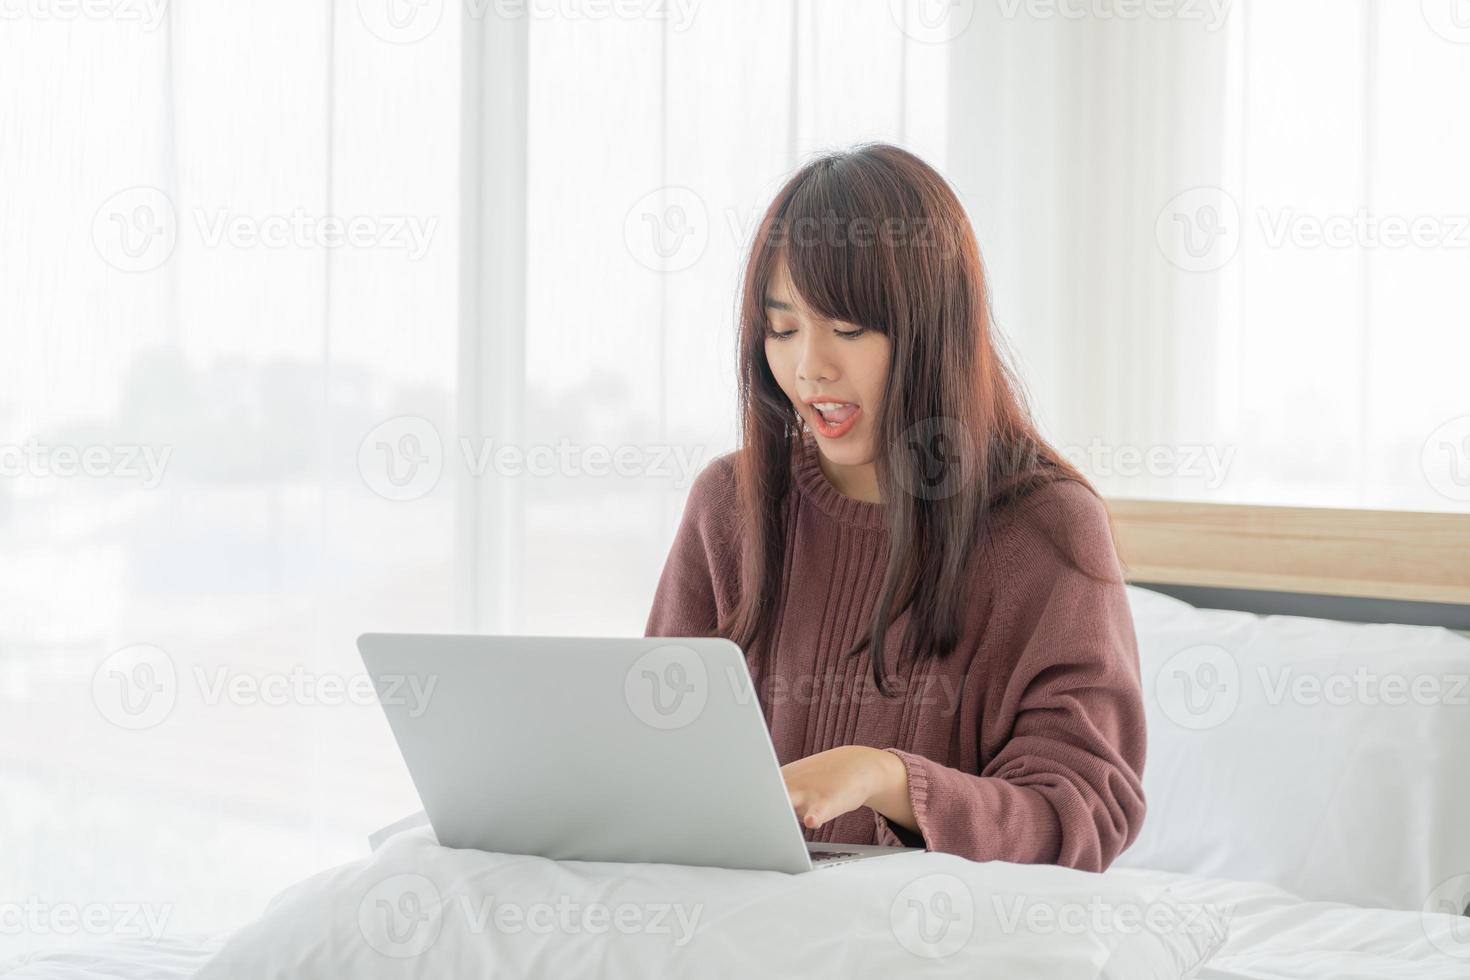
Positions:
{"x": 814, "y": 485}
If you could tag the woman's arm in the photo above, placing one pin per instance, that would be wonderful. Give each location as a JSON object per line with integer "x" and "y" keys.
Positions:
{"x": 890, "y": 794}
{"x": 688, "y": 600}
{"x": 825, "y": 785}
{"x": 1062, "y": 728}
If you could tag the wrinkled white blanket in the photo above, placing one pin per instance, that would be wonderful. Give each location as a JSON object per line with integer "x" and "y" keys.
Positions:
{"x": 416, "y": 909}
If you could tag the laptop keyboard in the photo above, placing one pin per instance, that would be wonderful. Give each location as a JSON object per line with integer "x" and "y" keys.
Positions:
{"x": 818, "y": 856}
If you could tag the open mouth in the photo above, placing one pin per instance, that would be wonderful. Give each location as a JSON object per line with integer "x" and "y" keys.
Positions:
{"x": 834, "y": 419}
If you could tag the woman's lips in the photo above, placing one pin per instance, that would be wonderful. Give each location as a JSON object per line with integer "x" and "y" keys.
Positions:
{"x": 835, "y": 420}
{"x": 835, "y": 412}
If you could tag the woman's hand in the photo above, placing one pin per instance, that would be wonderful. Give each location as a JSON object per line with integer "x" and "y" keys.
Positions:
{"x": 824, "y": 786}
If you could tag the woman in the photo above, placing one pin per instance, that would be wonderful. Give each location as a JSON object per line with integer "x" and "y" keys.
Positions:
{"x": 927, "y": 593}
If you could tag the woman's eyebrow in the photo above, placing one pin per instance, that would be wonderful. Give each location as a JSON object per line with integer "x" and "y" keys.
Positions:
{"x": 776, "y": 304}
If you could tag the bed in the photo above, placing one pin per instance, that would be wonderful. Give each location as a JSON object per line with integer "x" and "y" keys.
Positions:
{"x": 1305, "y": 672}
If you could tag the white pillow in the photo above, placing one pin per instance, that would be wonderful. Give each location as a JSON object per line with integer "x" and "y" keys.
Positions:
{"x": 415, "y": 909}
{"x": 1324, "y": 757}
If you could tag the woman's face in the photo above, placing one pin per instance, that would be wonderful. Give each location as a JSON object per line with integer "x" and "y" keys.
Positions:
{"x": 834, "y": 373}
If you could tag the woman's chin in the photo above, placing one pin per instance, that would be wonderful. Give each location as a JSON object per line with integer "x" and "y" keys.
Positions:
{"x": 850, "y": 450}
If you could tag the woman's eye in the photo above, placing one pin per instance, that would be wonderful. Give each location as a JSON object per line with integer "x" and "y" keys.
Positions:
{"x": 775, "y": 334}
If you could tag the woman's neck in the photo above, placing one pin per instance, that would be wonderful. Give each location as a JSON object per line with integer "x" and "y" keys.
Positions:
{"x": 859, "y": 480}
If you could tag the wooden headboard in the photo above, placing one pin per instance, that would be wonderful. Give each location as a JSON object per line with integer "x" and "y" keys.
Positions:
{"x": 1403, "y": 555}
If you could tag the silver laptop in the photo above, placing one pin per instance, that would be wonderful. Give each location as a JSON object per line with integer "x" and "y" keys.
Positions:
{"x": 636, "y": 750}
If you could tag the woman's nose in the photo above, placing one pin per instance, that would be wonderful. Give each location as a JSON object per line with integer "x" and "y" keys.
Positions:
{"x": 814, "y": 365}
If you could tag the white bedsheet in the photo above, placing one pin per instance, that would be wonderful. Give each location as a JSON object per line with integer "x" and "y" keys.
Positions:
{"x": 1272, "y": 935}
{"x": 415, "y": 909}
{"x": 169, "y": 958}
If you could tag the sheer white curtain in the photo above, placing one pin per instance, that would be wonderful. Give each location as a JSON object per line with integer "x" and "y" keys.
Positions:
{"x": 229, "y": 237}
{"x": 1230, "y": 240}
{"x": 324, "y": 318}
{"x": 641, "y": 200}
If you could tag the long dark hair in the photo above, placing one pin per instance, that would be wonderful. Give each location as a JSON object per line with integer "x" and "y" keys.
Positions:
{"x": 874, "y": 236}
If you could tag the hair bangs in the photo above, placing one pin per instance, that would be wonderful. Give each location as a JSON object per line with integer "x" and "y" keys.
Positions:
{"x": 831, "y": 235}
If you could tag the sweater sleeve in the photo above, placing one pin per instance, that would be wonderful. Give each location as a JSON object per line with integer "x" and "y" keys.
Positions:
{"x": 1062, "y": 734}
{"x": 691, "y": 598}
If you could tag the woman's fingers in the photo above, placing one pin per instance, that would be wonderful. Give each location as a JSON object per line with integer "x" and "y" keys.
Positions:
{"x": 809, "y": 811}
{"x": 807, "y": 806}
{"x": 828, "y": 784}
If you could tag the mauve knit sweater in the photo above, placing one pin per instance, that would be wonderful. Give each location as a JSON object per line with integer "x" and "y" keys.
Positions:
{"x": 1025, "y": 745}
